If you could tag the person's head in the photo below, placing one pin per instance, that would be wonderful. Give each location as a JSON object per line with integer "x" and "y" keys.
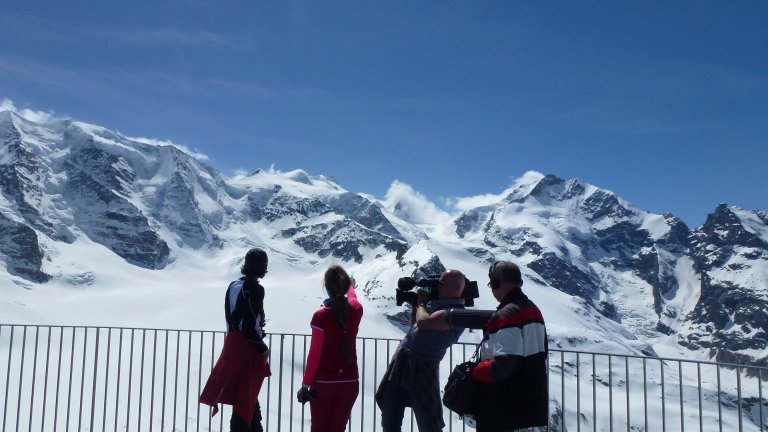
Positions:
{"x": 503, "y": 278}
{"x": 337, "y": 282}
{"x": 255, "y": 264}
{"x": 451, "y": 284}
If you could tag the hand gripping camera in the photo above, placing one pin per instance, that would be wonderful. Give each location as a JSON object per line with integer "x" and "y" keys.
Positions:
{"x": 403, "y": 293}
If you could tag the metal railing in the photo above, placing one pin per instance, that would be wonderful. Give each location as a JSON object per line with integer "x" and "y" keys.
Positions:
{"x": 59, "y": 378}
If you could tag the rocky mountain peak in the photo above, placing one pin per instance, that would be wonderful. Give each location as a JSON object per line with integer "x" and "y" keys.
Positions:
{"x": 725, "y": 227}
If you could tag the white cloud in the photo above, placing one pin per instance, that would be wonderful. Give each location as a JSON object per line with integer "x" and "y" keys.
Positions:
{"x": 412, "y": 206}
{"x": 31, "y": 115}
{"x": 467, "y": 203}
{"x": 520, "y": 186}
{"x": 156, "y": 142}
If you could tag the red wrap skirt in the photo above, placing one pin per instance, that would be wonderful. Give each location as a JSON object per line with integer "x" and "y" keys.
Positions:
{"x": 236, "y": 378}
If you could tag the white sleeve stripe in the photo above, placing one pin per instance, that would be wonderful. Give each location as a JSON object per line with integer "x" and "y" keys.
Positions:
{"x": 234, "y": 292}
{"x": 316, "y": 327}
{"x": 524, "y": 342}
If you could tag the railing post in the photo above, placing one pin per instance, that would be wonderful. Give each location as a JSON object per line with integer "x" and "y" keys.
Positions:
{"x": 645, "y": 394}
{"x": 106, "y": 379}
{"x": 176, "y": 378}
{"x": 578, "y": 393}
{"x": 71, "y": 368}
{"x": 34, "y": 374}
{"x": 760, "y": 395}
{"x": 82, "y": 378}
{"x": 119, "y": 366}
{"x": 680, "y": 384}
{"x": 610, "y": 392}
{"x": 738, "y": 396}
{"x": 199, "y": 380}
{"x": 626, "y": 372}
{"x": 594, "y": 395}
{"x": 562, "y": 390}
{"x": 375, "y": 376}
{"x": 362, "y": 393}
{"x": 47, "y": 362}
{"x": 701, "y": 413}
{"x": 95, "y": 376}
{"x": 21, "y": 376}
{"x": 152, "y": 391}
{"x": 663, "y": 403}
{"x": 280, "y": 386}
{"x": 719, "y": 403}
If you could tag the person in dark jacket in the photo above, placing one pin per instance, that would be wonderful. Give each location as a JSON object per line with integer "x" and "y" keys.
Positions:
{"x": 412, "y": 378}
{"x": 511, "y": 378}
{"x": 237, "y": 377}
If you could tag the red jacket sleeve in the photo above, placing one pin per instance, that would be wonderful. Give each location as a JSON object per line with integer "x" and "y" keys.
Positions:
{"x": 351, "y": 294}
{"x": 483, "y": 372}
{"x": 313, "y": 358}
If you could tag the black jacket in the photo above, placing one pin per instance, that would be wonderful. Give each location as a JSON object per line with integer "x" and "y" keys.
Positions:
{"x": 244, "y": 311}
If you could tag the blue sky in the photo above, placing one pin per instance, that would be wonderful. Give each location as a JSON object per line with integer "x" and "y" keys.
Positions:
{"x": 664, "y": 103}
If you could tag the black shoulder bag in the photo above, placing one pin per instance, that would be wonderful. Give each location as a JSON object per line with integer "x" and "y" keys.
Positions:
{"x": 459, "y": 391}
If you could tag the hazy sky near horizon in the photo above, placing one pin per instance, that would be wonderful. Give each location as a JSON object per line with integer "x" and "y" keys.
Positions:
{"x": 666, "y": 104}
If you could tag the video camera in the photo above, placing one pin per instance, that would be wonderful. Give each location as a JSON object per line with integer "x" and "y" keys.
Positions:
{"x": 403, "y": 293}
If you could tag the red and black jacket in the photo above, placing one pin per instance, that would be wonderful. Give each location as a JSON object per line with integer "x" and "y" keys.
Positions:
{"x": 512, "y": 375}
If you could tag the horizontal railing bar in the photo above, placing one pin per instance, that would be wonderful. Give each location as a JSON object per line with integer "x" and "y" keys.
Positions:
{"x": 635, "y": 356}
{"x": 668, "y": 359}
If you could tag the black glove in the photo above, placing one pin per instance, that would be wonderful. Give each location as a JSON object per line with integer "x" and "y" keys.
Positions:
{"x": 305, "y": 394}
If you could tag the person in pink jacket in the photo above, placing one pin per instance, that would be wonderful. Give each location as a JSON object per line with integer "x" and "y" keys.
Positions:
{"x": 331, "y": 382}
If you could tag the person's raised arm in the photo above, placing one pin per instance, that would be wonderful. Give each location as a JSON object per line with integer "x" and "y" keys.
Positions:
{"x": 351, "y": 294}
{"x": 429, "y": 321}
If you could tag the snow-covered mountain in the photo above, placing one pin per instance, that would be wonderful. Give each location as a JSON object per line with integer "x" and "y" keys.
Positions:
{"x": 98, "y": 228}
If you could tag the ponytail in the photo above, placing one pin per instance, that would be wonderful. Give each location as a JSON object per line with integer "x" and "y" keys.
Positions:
{"x": 337, "y": 282}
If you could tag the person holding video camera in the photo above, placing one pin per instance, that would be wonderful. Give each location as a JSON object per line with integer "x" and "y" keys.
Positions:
{"x": 239, "y": 372}
{"x": 330, "y": 381}
{"x": 511, "y": 379}
{"x": 411, "y": 378}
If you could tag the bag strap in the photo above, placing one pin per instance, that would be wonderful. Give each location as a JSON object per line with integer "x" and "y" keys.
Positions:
{"x": 476, "y": 355}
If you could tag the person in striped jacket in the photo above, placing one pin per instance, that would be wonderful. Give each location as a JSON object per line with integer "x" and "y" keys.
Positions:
{"x": 243, "y": 364}
{"x": 511, "y": 378}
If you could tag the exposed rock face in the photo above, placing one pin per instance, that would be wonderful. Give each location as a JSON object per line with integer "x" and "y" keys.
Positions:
{"x": 178, "y": 206}
{"x": 21, "y": 250}
{"x": 338, "y": 225}
{"x": 99, "y": 187}
{"x": 343, "y": 239}
{"x": 732, "y": 312}
{"x": 22, "y": 181}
